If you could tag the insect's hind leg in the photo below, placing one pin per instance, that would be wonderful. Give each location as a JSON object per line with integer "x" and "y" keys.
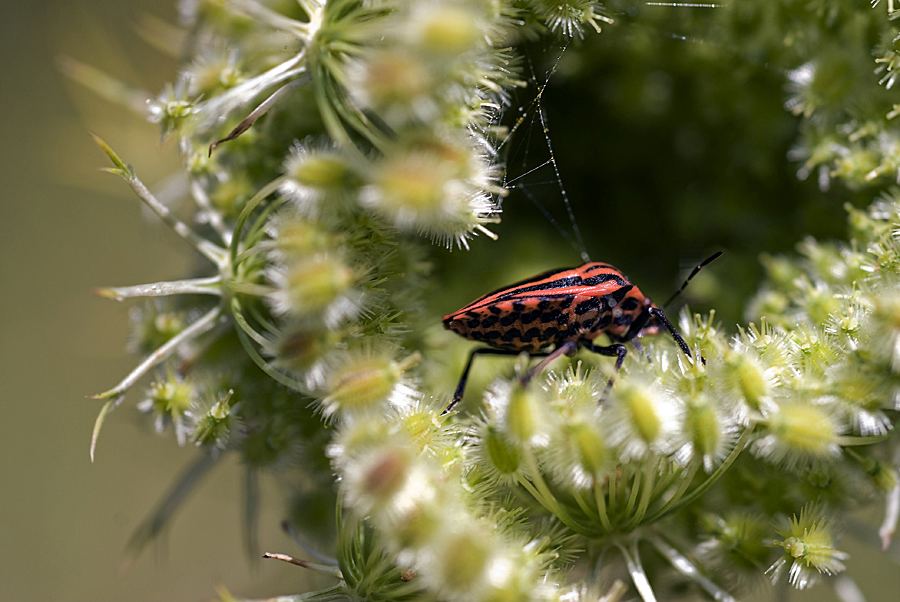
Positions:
{"x": 461, "y": 387}
{"x": 616, "y": 349}
{"x": 567, "y": 348}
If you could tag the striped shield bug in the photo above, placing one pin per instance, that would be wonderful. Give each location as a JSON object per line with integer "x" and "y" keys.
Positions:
{"x": 558, "y": 312}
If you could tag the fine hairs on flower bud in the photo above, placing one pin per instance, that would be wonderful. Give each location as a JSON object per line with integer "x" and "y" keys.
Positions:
{"x": 736, "y": 546}
{"x": 460, "y": 557}
{"x": 859, "y": 390}
{"x": 317, "y": 286}
{"x": 314, "y": 173}
{"x": 798, "y": 434}
{"x": 295, "y": 237}
{"x": 372, "y": 481}
{"x": 808, "y": 543}
{"x": 152, "y": 325}
{"x": 363, "y": 382}
{"x": 397, "y": 85}
{"x": 215, "y": 423}
{"x": 711, "y": 431}
{"x": 746, "y": 374}
{"x": 569, "y": 16}
{"x": 518, "y": 410}
{"x": 502, "y": 456}
{"x": 446, "y": 29}
{"x": 577, "y": 454}
{"x": 640, "y": 419}
{"x": 432, "y": 189}
{"x": 170, "y": 400}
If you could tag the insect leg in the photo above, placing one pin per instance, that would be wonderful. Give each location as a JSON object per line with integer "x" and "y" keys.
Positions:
{"x": 616, "y": 349}
{"x": 461, "y": 387}
{"x": 565, "y": 349}
{"x": 659, "y": 315}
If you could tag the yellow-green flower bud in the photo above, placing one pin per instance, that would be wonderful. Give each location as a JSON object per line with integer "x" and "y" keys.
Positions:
{"x": 462, "y": 557}
{"x": 375, "y": 479}
{"x": 799, "y": 433}
{"x": 522, "y": 418}
{"x": 447, "y": 29}
{"x": 504, "y": 456}
{"x": 361, "y": 384}
{"x": 230, "y": 196}
{"x": 748, "y": 375}
{"x": 214, "y": 426}
{"x": 296, "y": 237}
{"x": 315, "y": 286}
{"x": 809, "y": 549}
{"x": 640, "y": 406}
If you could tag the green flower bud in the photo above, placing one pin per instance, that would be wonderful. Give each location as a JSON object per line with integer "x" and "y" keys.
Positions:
{"x": 215, "y": 425}
{"x": 362, "y": 384}
{"x": 462, "y": 558}
{"x": 705, "y": 430}
{"x": 315, "y": 174}
{"x": 809, "y": 549}
{"x": 314, "y": 287}
{"x": 373, "y": 480}
{"x": 504, "y": 456}
{"x": 748, "y": 375}
{"x": 447, "y": 29}
{"x": 799, "y": 433}
{"x": 640, "y": 406}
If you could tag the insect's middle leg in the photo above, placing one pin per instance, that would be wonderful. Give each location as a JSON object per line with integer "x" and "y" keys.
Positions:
{"x": 616, "y": 349}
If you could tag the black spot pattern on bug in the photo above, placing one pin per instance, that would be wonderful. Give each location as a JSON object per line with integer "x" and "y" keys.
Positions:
{"x": 629, "y": 304}
{"x": 529, "y": 317}
{"x": 512, "y": 333}
{"x": 510, "y": 319}
{"x": 543, "y": 304}
{"x": 549, "y": 334}
{"x": 474, "y": 323}
{"x": 592, "y": 304}
{"x": 471, "y": 314}
{"x": 566, "y": 302}
{"x": 624, "y": 320}
{"x": 518, "y": 307}
{"x": 494, "y": 309}
{"x": 530, "y": 334}
{"x": 493, "y": 334}
{"x": 604, "y": 321}
{"x": 489, "y": 322}
{"x": 620, "y": 293}
{"x": 551, "y": 316}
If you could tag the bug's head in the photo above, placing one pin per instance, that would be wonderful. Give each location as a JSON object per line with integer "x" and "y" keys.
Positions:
{"x": 456, "y": 324}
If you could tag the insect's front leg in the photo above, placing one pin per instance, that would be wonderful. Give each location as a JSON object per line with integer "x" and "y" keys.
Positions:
{"x": 659, "y": 315}
{"x": 616, "y": 349}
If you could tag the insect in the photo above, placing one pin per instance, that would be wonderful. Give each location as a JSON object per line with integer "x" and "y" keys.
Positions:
{"x": 558, "y": 312}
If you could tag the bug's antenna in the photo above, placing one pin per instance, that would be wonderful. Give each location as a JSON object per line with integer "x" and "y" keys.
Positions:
{"x": 693, "y": 273}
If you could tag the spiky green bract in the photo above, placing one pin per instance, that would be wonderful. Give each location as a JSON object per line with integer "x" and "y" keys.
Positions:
{"x": 808, "y": 543}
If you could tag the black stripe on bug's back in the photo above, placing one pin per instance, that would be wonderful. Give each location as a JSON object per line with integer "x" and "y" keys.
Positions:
{"x": 599, "y": 266}
{"x": 546, "y": 288}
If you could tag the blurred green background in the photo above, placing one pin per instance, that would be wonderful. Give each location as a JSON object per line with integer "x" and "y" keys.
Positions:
{"x": 665, "y": 159}
{"x": 66, "y": 229}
